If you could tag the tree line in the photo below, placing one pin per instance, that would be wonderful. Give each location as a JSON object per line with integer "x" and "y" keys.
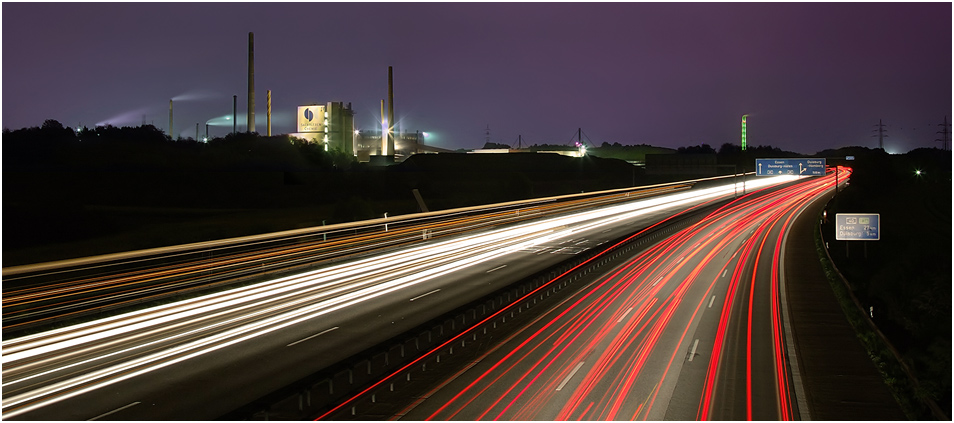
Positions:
{"x": 147, "y": 148}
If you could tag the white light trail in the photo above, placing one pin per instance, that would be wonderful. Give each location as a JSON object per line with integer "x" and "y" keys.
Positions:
{"x": 197, "y": 326}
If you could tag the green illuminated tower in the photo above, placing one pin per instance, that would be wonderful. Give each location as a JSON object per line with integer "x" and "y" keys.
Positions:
{"x": 743, "y": 132}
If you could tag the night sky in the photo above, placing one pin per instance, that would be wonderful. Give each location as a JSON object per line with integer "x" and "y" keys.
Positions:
{"x": 810, "y": 75}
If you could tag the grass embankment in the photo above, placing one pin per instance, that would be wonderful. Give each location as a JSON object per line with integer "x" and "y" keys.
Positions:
{"x": 879, "y": 351}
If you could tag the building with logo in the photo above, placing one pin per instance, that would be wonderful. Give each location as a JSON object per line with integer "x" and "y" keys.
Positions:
{"x": 330, "y": 124}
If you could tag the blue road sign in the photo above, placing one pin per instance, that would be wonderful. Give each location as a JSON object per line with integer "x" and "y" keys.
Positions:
{"x": 857, "y": 226}
{"x": 798, "y": 167}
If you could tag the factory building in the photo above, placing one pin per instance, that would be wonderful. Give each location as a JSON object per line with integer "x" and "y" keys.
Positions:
{"x": 330, "y": 124}
{"x": 368, "y": 143}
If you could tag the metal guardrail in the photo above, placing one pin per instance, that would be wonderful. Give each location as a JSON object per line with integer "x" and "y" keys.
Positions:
{"x": 41, "y": 294}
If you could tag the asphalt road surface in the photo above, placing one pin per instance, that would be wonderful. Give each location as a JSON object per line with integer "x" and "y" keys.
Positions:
{"x": 690, "y": 329}
{"x": 201, "y": 358}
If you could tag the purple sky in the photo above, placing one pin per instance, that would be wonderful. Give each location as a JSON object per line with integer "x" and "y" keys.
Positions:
{"x": 811, "y": 75}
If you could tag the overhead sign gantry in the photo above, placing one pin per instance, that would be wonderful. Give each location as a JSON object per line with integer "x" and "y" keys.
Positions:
{"x": 798, "y": 167}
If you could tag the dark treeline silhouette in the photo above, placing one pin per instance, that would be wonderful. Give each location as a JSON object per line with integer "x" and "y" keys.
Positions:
{"x": 63, "y": 187}
{"x": 146, "y": 148}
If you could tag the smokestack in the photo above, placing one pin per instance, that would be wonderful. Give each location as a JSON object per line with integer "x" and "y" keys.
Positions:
{"x": 234, "y": 114}
{"x": 268, "y": 111}
{"x": 390, "y": 112}
{"x": 170, "y": 120}
{"x": 384, "y": 132}
{"x": 251, "y": 82}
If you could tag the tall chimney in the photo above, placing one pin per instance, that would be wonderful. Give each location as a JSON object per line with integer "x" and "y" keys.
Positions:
{"x": 234, "y": 113}
{"x": 268, "y": 111}
{"x": 384, "y": 132}
{"x": 170, "y": 121}
{"x": 251, "y": 82}
{"x": 390, "y": 113}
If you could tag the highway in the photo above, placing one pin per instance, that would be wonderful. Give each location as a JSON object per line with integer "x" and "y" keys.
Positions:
{"x": 42, "y": 294}
{"x": 200, "y": 358}
{"x": 690, "y": 329}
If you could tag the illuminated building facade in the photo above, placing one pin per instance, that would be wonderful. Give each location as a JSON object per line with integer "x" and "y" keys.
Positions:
{"x": 330, "y": 124}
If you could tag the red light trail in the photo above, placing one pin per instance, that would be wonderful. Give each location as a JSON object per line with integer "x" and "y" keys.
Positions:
{"x": 613, "y": 351}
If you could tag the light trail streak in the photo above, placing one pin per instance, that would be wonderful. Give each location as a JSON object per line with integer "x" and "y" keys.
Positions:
{"x": 671, "y": 285}
{"x": 45, "y": 368}
{"x": 55, "y": 301}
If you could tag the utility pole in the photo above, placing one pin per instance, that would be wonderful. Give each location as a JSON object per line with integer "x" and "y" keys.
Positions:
{"x": 881, "y": 135}
{"x": 944, "y": 131}
{"x": 488, "y": 134}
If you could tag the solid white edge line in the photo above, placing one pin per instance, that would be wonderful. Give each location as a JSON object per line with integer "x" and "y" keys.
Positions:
{"x": 114, "y": 411}
{"x": 569, "y": 376}
{"x": 317, "y": 334}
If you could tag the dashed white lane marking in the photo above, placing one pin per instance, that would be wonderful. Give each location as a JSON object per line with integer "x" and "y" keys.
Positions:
{"x": 114, "y": 411}
{"x": 496, "y": 268}
{"x": 693, "y": 352}
{"x": 569, "y": 376}
{"x": 317, "y": 334}
{"x": 424, "y": 295}
{"x": 624, "y": 315}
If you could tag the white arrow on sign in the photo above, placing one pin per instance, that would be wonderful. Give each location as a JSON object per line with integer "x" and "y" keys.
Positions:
{"x": 800, "y": 170}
